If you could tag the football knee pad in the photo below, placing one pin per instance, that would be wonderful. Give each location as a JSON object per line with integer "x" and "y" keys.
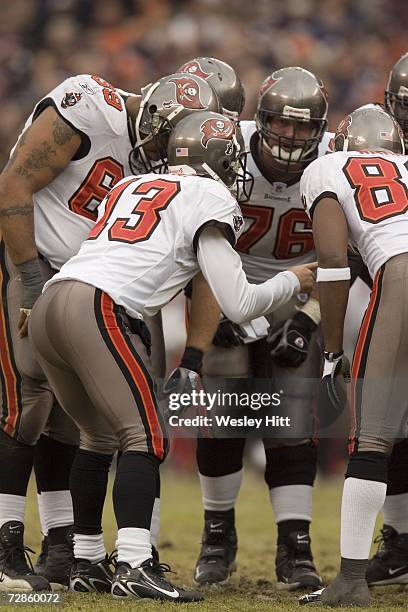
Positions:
{"x": 368, "y": 465}
{"x": 16, "y": 463}
{"x": 290, "y": 465}
{"x": 397, "y": 471}
{"x": 52, "y": 464}
{"x": 219, "y": 457}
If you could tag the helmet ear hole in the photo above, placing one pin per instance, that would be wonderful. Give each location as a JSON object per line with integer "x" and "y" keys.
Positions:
{"x": 152, "y": 109}
{"x": 225, "y": 164}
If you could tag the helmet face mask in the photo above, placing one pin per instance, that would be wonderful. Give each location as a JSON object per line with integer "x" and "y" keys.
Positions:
{"x": 288, "y": 140}
{"x": 396, "y": 94}
{"x": 244, "y": 183}
{"x": 291, "y": 117}
{"x": 397, "y": 106}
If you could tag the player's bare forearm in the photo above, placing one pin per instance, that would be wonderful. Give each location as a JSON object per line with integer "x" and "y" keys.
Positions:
{"x": 17, "y": 228}
{"x": 204, "y": 315}
{"x": 158, "y": 356}
{"x": 333, "y": 297}
{"x": 42, "y": 152}
{"x": 331, "y": 237}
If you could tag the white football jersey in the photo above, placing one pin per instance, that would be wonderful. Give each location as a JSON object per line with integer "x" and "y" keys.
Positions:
{"x": 277, "y": 232}
{"x": 66, "y": 209}
{"x": 372, "y": 189}
{"x": 142, "y": 250}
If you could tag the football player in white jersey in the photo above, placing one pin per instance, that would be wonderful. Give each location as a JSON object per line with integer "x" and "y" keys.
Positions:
{"x": 359, "y": 194}
{"x": 390, "y": 563}
{"x": 287, "y": 135}
{"x": 75, "y": 146}
{"x": 154, "y": 234}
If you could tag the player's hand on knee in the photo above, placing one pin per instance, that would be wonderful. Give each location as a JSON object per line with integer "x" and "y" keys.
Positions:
{"x": 332, "y": 397}
{"x": 186, "y": 378}
{"x": 306, "y": 275}
{"x": 229, "y": 334}
{"x": 289, "y": 340}
{"x": 23, "y": 322}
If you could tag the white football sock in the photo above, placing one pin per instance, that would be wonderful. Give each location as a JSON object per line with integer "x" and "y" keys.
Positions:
{"x": 220, "y": 492}
{"x": 292, "y": 502}
{"x": 43, "y": 517}
{"x": 395, "y": 512}
{"x": 11, "y": 508}
{"x": 89, "y": 547}
{"x": 362, "y": 500}
{"x": 155, "y": 522}
{"x": 55, "y": 509}
{"x": 133, "y": 545}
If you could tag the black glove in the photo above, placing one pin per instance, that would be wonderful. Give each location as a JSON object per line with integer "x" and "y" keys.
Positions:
{"x": 290, "y": 340}
{"x": 332, "y": 391}
{"x": 185, "y": 378}
{"x": 228, "y": 334}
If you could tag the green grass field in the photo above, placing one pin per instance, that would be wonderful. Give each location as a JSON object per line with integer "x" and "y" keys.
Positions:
{"x": 253, "y": 585}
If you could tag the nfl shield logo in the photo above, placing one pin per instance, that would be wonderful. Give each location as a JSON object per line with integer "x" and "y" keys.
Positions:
{"x": 278, "y": 187}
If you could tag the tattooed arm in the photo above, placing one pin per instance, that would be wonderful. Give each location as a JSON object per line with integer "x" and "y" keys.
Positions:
{"x": 43, "y": 151}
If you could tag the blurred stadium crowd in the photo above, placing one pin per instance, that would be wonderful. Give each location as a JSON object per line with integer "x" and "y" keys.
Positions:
{"x": 350, "y": 45}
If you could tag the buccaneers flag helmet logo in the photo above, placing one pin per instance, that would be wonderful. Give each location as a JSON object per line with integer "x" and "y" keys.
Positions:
{"x": 267, "y": 84}
{"x": 194, "y": 67}
{"x": 344, "y": 126}
{"x": 223, "y": 129}
{"x": 188, "y": 93}
{"x": 342, "y": 134}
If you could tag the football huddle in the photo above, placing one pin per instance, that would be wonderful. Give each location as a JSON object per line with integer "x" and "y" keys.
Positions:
{"x": 113, "y": 203}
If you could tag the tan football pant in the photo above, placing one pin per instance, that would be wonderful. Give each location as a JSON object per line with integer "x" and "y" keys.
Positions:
{"x": 28, "y": 407}
{"x": 98, "y": 370}
{"x": 380, "y": 363}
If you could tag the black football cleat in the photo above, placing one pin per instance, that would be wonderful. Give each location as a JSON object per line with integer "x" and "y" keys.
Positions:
{"x": 16, "y": 570}
{"x": 87, "y": 577}
{"x": 340, "y": 592}
{"x": 389, "y": 565}
{"x": 294, "y": 564}
{"x": 311, "y": 598}
{"x": 147, "y": 581}
{"x": 59, "y": 559}
{"x": 42, "y": 557}
{"x": 216, "y": 561}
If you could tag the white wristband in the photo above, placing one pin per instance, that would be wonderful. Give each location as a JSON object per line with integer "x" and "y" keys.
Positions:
{"x": 332, "y": 274}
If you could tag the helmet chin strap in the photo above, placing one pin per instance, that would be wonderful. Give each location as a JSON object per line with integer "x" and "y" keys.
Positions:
{"x": 215, "y": 176}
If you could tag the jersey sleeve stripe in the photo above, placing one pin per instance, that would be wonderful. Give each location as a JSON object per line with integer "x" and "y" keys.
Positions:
{"x": 85, "y": 145}
{"x": 224, "y": 227}
{"x": 324, "y": 194}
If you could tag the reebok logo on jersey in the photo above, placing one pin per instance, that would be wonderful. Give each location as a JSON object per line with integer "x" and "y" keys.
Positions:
{"x": 70, "y": 99}
{"x": 88, "y": 89}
